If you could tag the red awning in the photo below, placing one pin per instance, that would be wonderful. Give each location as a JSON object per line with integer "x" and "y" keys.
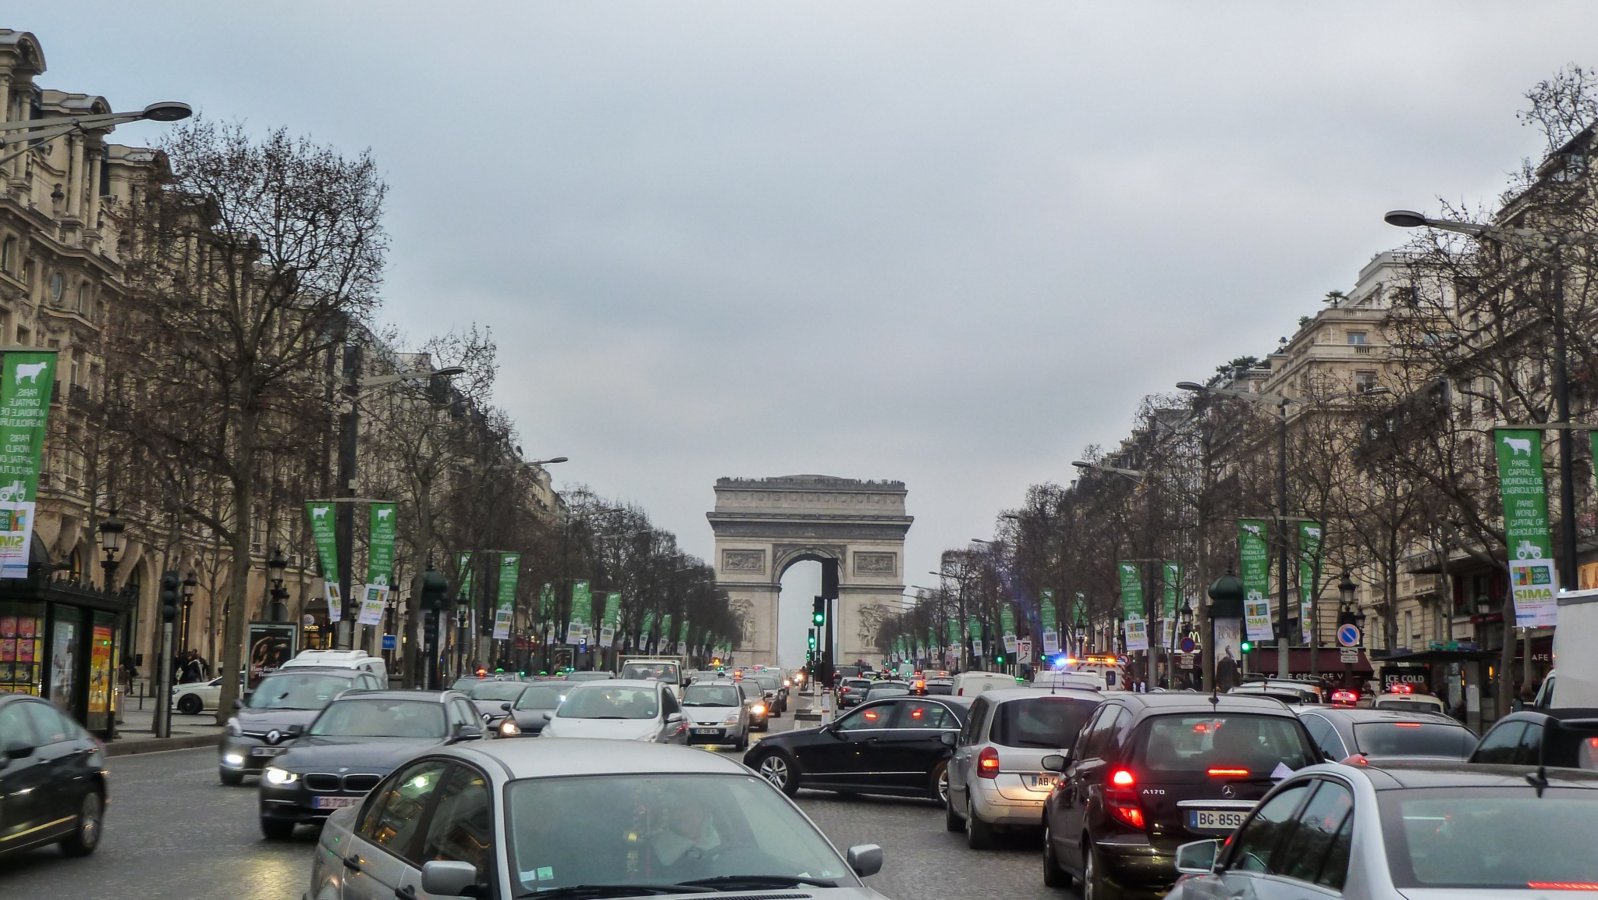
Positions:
{"x": 1263, "y": 660}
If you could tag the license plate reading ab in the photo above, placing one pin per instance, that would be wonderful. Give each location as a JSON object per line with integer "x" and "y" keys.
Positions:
{"x": 1042, "y": 782}
{"x": 1218, "y": 821}
{"x": 334, "y": 802}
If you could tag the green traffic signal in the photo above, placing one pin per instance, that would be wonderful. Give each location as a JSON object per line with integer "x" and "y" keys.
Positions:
{"x": 1246, "y": 646}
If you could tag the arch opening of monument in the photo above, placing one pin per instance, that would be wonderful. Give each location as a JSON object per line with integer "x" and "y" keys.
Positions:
{"x": 766, "y": 526}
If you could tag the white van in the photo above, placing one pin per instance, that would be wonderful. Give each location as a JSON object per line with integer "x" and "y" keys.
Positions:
{"x": 342, "y": 659}
{"x": 1082, "y": 680}
{"x": 969, "y": 684}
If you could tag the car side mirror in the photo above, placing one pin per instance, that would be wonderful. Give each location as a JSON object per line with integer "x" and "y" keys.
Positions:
{"x": 674, "y": 718}
{"x": 864, "y": 859}
{"x": 506, "y": 706}
{"x": 1056, "y": 762}
{"x": 948, "y": 738}
{"x": 1197, "y": 858}
{"x": 546, "y": 716}
{"x": 465, "y": 732}
{"x": 295, "y": 730}
{"x": 448, "y": 877}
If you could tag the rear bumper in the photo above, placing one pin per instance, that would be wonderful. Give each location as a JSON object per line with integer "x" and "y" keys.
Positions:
{"x": 1136, "y": 865}
{"x": 994, "y": 808}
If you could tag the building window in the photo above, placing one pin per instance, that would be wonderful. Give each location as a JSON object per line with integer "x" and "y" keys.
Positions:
{"x": 58, "y": 287}
{"x": 1356, "y": 338}
{"x": 8, "y": 255}
{"x": 1364, "y": 381}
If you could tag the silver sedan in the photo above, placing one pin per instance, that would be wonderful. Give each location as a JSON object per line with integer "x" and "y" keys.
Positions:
{"x": 525, "y": 818}
{"x": 1405, "y": 830}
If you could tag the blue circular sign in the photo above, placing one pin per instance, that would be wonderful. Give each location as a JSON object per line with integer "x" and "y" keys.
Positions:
{"x": 1188, "y": 645}
{"x": 1348, "y": 635}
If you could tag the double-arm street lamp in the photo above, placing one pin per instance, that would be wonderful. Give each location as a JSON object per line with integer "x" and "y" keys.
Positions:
{"x": 30, "y": 133}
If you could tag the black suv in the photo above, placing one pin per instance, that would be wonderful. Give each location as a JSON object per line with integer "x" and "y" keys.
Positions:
{"x": 1567, "y": 738}
{"x": 1152, "y": 771}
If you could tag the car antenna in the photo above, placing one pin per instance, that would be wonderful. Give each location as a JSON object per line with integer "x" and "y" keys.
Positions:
{"x": 1539, "y": 779}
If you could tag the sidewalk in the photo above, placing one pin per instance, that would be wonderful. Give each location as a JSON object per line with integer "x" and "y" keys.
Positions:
{"x": 136, "y": 732}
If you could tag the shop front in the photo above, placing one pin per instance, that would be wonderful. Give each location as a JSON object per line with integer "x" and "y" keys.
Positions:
{"x": 1327, "y": 663}
{"x": 61, "y": 641}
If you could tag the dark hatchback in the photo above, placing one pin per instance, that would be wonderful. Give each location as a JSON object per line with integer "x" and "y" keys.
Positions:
{"x": 898, "y": 746}
{"x": 1150, "y": 772}
{"x": 52, "y": 779}
{"x": 1386, "y": 734}
{"x": 359, "y": 738}
{"x": 1567, "y": 738}
{"x": 264, "y": 724}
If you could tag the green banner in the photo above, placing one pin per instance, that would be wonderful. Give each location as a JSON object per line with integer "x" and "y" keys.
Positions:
{"x": 1006, "y": 621}
{"x": 1079, "y": 610}
{"x": 1253, "y": 537}
{"x": 612, "y": 609}
{"x": 380, "y": 553}
{"x": 954, "y": 633}
{"x": 1532, "y": 581}
{"x": 582, "y": 604}
{"x": 1046, "y": 610}
{"x": 1131, "y": 591}
{"x": 29, "y": 380}
{"x": 1171, "y": 574}
{"x": 510, "y": 569}
{"x": 973, "y": 629}
{"x": 666, "y": 639}
{"x": 463, "y": 565}
{"x": 1309, "y": 573}
{"x": 324, "y": 536}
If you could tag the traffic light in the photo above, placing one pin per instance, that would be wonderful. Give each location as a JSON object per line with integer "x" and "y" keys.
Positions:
{"x": 999, "y": 659}
{"x": 1246, "y": 646}
{"x": 811, "y": 637}
{"x": 435, "y": 589}
{"x": 170, "y": 598}
{"x": 818, "y": 612}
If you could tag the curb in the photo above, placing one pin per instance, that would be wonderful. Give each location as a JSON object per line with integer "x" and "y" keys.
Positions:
{"x": 156, "y": 745}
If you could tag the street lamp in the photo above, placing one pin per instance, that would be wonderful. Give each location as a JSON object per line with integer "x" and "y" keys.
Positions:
{"x": 189, "y": 584}
{"x": 113, "y": 538}
{"x": 1540, "y": 242}
{"x": 1134, "y": 474}
{"x": 34, "y": 132}
{"x": 275, "y": 567}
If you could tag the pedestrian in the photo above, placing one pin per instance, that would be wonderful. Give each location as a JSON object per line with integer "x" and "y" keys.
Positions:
{"x": 193, "y": 669}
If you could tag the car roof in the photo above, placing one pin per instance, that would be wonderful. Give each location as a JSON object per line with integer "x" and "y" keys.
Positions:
{"x": 608, "y": 683}
{"x": 393, "y": 694}
{"x": 1004, "y": 695}
{"x": 1573, "y": 714}
{"x": 594, "y": 756}
{"x": 318, "y": 669}
{"x": 1202, "y": 703}
{"x": 1361, "y": 715}
{"x": 1401, "y": 773}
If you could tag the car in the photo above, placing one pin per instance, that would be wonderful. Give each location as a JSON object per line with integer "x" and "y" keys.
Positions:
{"x": 53, "y": 779}
{"x": 263, "y": 724}
{"x": 1286, "y": 690}
{"x": 1567, "y": 738}
{"x": 938, "y": 687}
{"x": 589, "y": 676}
{"x": 1404, "y": 830}
{"x": 490, "y": 698}
{"x": 1344, "y": 698}
{"x": 882, "y": 689}
{"x": 359, "y": 738}
{"x": 899, "y": 746}
{"x": 969, "y": 684}
{"x": 1408, "y": 701}
{"x": 1386, "y": 733}
{"x": 771, "y": 687}
{"x": 197, "y": 697}
{"x": 342, "y": 659}
{"x": 755, "y": 701}
{"x": 527, "y": 714}
{"x": 851, "y": 691}
{"x": 1152, "y": 771}
{"x": 480, "y": 820}
{"x": 996, "y": 776}
{"x": 621, "y": 709}
{"x": 1084, "y": 679}
{"x": 716, "y": 714}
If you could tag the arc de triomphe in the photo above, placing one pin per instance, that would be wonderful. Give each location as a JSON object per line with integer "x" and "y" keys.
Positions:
{"x": 765, "y": 525}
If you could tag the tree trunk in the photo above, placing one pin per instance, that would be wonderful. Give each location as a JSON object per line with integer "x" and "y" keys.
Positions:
{"x": 233, "y": 625}
{"x": 416, "y": 634}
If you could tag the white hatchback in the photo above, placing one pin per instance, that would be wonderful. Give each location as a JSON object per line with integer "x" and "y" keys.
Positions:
{"x": 626, "y": 710}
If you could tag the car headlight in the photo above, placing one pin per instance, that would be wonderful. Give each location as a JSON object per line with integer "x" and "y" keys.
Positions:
{"x": 758, "y": 709}
{"x": 508, "y": 728}
{"x": 280, "y": 777}
{"x": 730, "y": 720}
{"x": 233, "y": 727}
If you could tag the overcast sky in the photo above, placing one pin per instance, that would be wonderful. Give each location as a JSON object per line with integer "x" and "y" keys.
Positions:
{"x": 947, "y": 243}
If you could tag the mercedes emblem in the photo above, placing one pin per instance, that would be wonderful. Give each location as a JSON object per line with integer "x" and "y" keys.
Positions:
{"x": 274, "y": 736}
{"x": 1228, "y": 791}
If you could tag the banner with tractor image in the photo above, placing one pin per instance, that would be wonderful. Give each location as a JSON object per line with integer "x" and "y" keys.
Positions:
{"x": 1532, "y": 580}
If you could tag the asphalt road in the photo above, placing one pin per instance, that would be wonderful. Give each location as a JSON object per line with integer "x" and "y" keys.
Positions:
{"x": 173, "y": 831}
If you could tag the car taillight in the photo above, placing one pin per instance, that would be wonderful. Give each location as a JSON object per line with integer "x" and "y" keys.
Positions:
{"x": 1228, "y": 773}
{"x": 988, "y": 763}
{"x": 1120, "y": 801}
{"x": 1406, "y": 724}
{"x": 844, "y": 689}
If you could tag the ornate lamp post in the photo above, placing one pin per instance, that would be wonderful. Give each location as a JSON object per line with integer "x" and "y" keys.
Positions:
{"x": 113, "y": 539}
{"x": 189, "y": 585}
{"x": 279, "y": 609}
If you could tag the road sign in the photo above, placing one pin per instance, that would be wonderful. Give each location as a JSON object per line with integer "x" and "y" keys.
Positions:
{"x": 1188, "y": 645}
{"x": 1349, "y": 654}
{"x": 1023, "y": 651}
{"x": 1348, "y": 635}
{"x": 390, "y": 642}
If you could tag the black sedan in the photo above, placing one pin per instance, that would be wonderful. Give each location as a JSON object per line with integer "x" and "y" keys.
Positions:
{"x": 358, "y": 738}
{"x": 896, "y": 746}
{"x": 1386, "y": 734}
{"x": 52, "y": 779}
{"x": 490, "y": 698}
{"x": 527, "y": 715}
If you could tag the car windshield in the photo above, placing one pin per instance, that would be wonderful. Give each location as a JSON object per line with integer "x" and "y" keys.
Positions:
{"x": 377, "y": 717}
{"x": 667, "y": 672}
{"x": 1414, "y": 739}
{"x": 588, "y": 676}
{"x": 666, "y": 829}
{"x": 603, "y": 701}
{"x": 542, "y": 696}
{"x": 766, "y": 682}
{"x": 296, "y": 691}
{"x": 1192, "y": 744}
{"x": 1506, "y": 838}
{"x": 497, "y": 690}
{"x": 1047, "y": 722}
{"x": 710, "y": 695}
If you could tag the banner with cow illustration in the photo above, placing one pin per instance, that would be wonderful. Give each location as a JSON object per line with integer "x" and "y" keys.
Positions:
{"x": 325, "y": 536}
{"x": 1007, "y": 628}
{"x": 1309, "y": 574}
{"x": 1050, "y": 622}
{"x": 510, "y": 569}
{"x": 607, "y": 626}
{"x": 1532, "y": 581}
{"x": 1133, "y": 613}
{"x": 29, "y": 380}
{"x": 1253, "y": 536}
{"x": 582, "y": 610}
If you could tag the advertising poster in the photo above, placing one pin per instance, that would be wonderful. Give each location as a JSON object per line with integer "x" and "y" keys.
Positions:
{"x": 27, "y": 379}
{"x": 607, "y": 629}
{"x": 1253, "y": 536}
{"x": 1051, "y": 622}
{"x": 100, "y": 676}
{"x": 271, "y": 645}
{"x": 1007, "y": 627}
{"x": 1309, "y": 573}
{"x": 373, "y": 598}
{"x": 1531, "y": 558}
{"x": 63, "y": 664}
{"x": 1137, "y": 635}
{"x": 510, "y": 570}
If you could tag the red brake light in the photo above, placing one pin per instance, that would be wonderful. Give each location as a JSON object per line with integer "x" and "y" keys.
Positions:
{"x": 1119, "y": 800}
{"x": 1122, "y": 778}
{"x": 844, "y": 689}
{"x": 1406, "y": 724}
{"x": 988, "y": 763}
{"x": 1228, "y": 773}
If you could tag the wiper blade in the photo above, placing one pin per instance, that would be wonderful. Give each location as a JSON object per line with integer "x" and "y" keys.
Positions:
{"x": 604, "y": 890}
{"x": 740, "y": 882}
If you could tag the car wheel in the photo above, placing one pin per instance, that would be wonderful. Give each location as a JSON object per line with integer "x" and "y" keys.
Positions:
{"x": 276, "y": 829}
{"x": 939, "y": 787}
{"x": 230, "y": 777}
{"x": 777, "y": 768}
{"x": 85, "y": 834}
{"x": 978, "y": 834}
{"x": 1053, "y": 875}
{"x": 743, "y": 742}
{"x": 190, "y": 705}
{"x": 951, "y": 819}
{"x": 1094, "y": 887}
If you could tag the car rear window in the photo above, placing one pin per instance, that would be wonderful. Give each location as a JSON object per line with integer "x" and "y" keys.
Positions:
{"x": 1572, "y": 745}
{"x": 1200, "y": 742}
{"x": 1407, "y": 705}
{"x": 857, "y": 683}
{"x": 1508, "y": 838}
{"x": 1047, "y": 722}
{"x": 1413, "y": 739}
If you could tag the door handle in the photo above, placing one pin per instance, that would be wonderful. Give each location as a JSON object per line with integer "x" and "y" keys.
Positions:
{"x": 352, "y": 862}
{"x": 405, "y": 893}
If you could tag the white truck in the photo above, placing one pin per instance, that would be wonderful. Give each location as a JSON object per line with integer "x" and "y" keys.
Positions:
{"x": 1575, "y": 657}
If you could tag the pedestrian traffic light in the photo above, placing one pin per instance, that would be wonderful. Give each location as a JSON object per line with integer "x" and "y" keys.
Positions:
{"x": 999, "y": 659}
{"x": 435, "y": 589}
{"x": 818, "y": 612}
{"x": 170, "y": 598}
{"x": 1246, "y": 646}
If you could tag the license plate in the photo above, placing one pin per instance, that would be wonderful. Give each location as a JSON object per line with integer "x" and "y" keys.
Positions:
{"x": 268, "y": 751}
{"x": 333, "y": 802}
{"x": 1041, "y": 782}
{"x": 1219, "y": 821}
{"x": 707, "y": 731}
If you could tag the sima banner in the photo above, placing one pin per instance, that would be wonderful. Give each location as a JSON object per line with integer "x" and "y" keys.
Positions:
{"x": 1253, "y": 551}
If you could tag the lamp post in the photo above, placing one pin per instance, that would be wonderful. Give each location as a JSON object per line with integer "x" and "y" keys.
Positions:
{"x": 1552, "y": 244}
{"x": 113, "y": 539}
{"x": 189, "y": 585}
{"x": 31, "y": 133}
{"x": 275, "y": 566}
{"x": 1348, "y": 614}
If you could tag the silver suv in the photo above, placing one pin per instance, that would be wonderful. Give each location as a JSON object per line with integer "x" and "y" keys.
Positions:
{"x": 996, "y": 776}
